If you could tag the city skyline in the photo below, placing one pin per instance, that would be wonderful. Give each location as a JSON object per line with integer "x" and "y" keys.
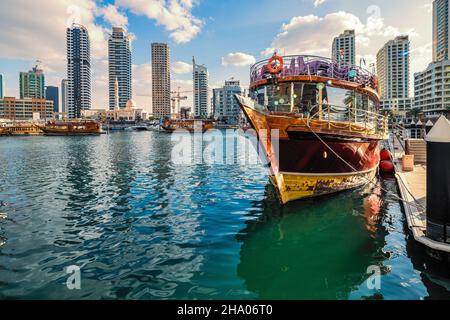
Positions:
{"x": 199, "y": 23}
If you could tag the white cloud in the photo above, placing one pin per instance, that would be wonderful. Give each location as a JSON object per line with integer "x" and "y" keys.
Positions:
{"x": 142, "y": 84}
{"x": 314, "y": 35}
{"x": 318, "y": 2}
{"x": 428, "y": 7}
{"x": 238, "y": 59}
{"x": 112, "y": 15}
{"x": 174, "y": 15}
{"x": 181, "y": 67}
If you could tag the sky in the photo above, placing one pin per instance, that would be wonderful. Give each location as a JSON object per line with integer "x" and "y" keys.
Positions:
{"x": 225, "y": 35}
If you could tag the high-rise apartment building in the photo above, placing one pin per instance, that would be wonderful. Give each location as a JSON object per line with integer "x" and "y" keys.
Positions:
{"x": 2, "y": 86}
{"x": 440, "y": 30}
{"x": 78, "y": 70}
{"x": 119, "y": 58}
{"x": 343, "y": 50}
{"x": 200, "y": 88}
{"x": 52, "y": 94}
{"x": 393, "y": 68}
{"x": 160, "y": 80}
{"x": 432, "y": 89}
{"x": 32, "y": 83}
{"x": 64, "y": 95}
{"x": 432, "y": 86}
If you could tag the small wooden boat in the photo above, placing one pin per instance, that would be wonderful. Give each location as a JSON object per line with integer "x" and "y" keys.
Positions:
{"x": 191, "y": 125}
{"x": 72, "y": 128}
{"x": 22, "y": 130}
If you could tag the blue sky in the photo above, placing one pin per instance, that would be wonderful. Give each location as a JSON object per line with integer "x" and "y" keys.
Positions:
{"x": 225, "y": 35}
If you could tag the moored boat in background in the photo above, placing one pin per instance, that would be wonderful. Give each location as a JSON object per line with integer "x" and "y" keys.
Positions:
{"x": 191, "y": 125}
{"x": 327, "y": 119}
{"x": 72, "y": 128}
{"x": 23, "y": 129}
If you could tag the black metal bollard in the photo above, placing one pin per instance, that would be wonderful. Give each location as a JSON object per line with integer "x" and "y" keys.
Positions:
{"x": 419, "y": 125}
{"x": 429, "y": 126}
{"x": 438, "y": 181}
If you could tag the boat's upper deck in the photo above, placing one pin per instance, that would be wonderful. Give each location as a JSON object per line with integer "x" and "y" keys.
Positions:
{"x": 298, "y": 66}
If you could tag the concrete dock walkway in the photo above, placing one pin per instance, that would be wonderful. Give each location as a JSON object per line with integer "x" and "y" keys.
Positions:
{"x": 413, "y": 191}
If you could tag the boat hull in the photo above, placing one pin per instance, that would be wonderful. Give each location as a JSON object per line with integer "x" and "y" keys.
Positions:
{"x": 296, "y": 186}
{"x": 75, "y": 128}
{"x": 308, "y": 162}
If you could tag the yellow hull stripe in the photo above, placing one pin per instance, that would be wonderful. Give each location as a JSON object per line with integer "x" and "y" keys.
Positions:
{"x": 291, "y": 187}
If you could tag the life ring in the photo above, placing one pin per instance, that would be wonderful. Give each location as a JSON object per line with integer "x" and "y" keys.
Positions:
{"x": 280, "y": 65}
{"x": 375, "y": 82}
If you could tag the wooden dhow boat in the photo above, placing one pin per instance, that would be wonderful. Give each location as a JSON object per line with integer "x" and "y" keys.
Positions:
{"x": 72, "y": 128}
{"x": 23, "y": 129}
{"x": 318, "y": 122}
{"x": 191, "y": 125}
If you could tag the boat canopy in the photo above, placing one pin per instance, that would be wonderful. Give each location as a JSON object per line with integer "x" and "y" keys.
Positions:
{"x": 305, "y": 65}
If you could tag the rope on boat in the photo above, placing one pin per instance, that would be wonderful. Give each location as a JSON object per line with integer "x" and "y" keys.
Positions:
{"x": 371, "y": 181}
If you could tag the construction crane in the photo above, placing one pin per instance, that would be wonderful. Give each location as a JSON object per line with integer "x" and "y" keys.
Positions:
{"x": 177, "y": 97}
{"x": 176, "y": 100}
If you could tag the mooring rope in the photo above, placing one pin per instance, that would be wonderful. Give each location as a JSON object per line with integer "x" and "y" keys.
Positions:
{"x": 371, "y": 181}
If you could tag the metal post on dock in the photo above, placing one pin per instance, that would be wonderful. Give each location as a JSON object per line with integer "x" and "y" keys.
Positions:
{"x": 438, "y": 181}
{"x": 429, "y": 126}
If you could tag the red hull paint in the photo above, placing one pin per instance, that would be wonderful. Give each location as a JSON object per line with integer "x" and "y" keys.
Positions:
{"x": 313, "y": 156}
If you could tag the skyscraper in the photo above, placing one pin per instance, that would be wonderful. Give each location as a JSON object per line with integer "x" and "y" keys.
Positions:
{"x": 440, "y": 30}
{"x": 393, "y": 68}
{"x": 119, "y": 58}
{"x": 161, "y": 79}
{"x": 343, "y": 50}
{"x": 78, "y": 70}
{"x": 393, "y": 72}
{"x": 200, "y": 87}
{"x": 64, "y": 95}
{"x": 226, "y": 108}
{"x": 429, "y": 93}
{"x": 32, "y": 83}
{"x": 52, "y": 94}
{"x": 2, "y": 86}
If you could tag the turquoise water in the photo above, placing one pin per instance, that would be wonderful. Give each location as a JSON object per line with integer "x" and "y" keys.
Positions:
{"x": 140, "y": 227}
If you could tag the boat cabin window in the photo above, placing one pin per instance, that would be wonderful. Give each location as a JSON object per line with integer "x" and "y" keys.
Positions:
{"x": 304, "y": 98}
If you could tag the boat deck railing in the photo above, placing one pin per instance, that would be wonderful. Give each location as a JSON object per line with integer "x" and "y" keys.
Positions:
{"x": 341, "y": 118}
{"x": 303, "y": 65}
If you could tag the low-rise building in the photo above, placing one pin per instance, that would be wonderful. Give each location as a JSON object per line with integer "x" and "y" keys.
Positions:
{"x": 226, "y": 108}
{"x": 398, "y": 107}
{"x": 25, "y": 109}
{"x": 130, "y": 113}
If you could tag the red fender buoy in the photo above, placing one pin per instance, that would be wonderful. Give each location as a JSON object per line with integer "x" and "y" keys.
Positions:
{"x": 387, "y": 166}
{"x": 386, "y": 155}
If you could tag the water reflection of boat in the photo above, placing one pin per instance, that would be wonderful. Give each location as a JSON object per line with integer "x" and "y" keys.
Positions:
{"x": 328, "y": 121}
{"x": 310, "y": 252}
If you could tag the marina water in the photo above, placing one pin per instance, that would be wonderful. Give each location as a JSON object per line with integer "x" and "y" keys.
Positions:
{"x": 140, "y": 227}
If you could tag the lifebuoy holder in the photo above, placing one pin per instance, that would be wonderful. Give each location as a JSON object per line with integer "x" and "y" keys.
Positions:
{"x": 275, "y": 64}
